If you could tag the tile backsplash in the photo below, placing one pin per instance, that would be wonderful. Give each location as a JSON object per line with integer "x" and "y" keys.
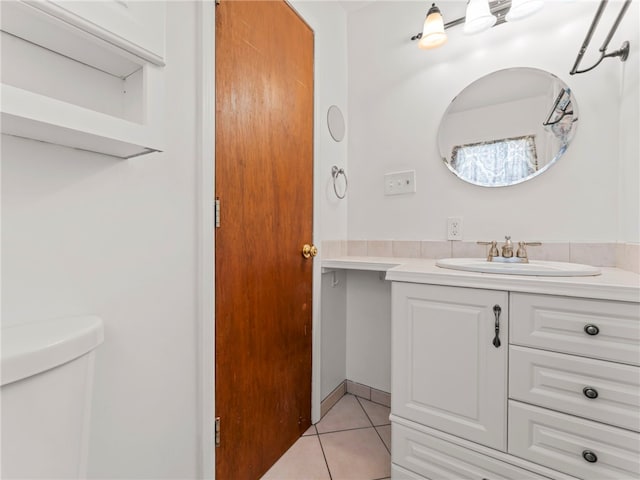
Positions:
{"x": 622, "y": 255}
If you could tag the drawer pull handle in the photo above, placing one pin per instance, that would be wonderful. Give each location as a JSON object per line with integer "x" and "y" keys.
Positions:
{"x": 589, "y": 456}
{"x": 497, "y": 311}
{"x": 591, "y": 329}
{"x": 590, "y": 392}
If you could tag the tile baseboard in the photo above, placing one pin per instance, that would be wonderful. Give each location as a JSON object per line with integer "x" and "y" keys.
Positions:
{"x": 331, "y": 399}
{"x": 359, "y": 390}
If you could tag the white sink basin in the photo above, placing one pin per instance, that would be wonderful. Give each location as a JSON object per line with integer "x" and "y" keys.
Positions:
{"x": 534, "y": 267}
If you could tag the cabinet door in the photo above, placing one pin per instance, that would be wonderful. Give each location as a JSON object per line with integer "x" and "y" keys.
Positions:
{"x": 138, "y": 27}
{"x": 446, "y": 371}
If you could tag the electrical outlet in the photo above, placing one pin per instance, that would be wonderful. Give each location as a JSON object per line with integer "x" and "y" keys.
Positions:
{"x": 397, "y": 183}
{"x": 454, "y": 228}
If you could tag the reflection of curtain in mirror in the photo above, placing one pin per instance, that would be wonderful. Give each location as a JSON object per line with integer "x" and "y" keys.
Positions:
{"x": 496, "y": 163}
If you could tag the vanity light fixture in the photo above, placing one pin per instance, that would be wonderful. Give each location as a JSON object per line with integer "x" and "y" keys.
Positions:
{"x": 522, "y": 9}
{"x": 432, "y": 35}
{"x": 480, "y": 16}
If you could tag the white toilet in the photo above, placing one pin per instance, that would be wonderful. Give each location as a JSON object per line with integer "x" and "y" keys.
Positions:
{"x": 46, "y": 378}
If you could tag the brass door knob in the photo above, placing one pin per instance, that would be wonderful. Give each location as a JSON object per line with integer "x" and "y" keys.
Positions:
{"x": 309, "y": 251}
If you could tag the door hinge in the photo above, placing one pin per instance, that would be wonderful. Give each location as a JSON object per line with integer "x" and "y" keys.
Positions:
{"x": 217, "y": 213}
{"x": 217, "y": 2}
{"x": 217, "y": 431}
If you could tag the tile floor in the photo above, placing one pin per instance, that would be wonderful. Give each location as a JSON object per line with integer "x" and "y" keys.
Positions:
{"x": 351, "y": 442}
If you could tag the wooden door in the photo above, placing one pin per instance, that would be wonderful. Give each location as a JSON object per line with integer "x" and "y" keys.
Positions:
{"x": 446, "y": 371}
{"x": 264, "y": 166}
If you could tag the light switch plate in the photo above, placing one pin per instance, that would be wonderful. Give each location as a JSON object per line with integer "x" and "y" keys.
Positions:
{"x": 397, "y": 183}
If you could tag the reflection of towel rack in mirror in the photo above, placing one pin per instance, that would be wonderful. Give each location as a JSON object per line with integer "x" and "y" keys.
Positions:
{"x": 335, "y": 173}
{"x": 622, "y": 52}
{"x": 562, "y": 103}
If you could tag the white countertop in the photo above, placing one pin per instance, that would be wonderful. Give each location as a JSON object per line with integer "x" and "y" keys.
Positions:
{"x": 612, "y": 284}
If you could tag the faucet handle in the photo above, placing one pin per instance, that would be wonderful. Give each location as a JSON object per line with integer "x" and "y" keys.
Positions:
{"x": 522, "y": 249}
{"x": 493, "y": 250}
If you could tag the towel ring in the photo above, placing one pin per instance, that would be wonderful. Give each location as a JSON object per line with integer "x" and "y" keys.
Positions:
{"x": 335, "y": 173}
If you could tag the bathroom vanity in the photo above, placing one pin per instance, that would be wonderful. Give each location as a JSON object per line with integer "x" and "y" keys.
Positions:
{"x": 513, "y": 377}
{"x": 509, "y": 381}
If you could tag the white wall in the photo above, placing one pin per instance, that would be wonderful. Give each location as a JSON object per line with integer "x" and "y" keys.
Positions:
{"x": 86, "y": 233}
{"x": 333, "y": 347}
{"x": 629, "y": 136}
{"x": 329, "y": 22}
{"x": 397, "y": 94}
{"x": 369, "y": 330}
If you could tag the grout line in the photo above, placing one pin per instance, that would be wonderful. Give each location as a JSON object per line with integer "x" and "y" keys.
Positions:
{"x": 380, "y": 436}
{"x": 347, "y": 430}
{"x": 374, "y": 427}
{"x": 365, "y": 411}
{"x": 324, "y": 456}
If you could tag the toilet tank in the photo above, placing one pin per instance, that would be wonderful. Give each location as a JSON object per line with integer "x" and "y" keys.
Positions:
{"x": 46, "y": 380}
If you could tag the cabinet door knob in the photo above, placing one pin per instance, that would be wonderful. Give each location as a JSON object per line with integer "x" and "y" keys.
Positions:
{"x": 591, "y": 329}
{"x": 590, "y": 392}
{"x": 589, "y": 456}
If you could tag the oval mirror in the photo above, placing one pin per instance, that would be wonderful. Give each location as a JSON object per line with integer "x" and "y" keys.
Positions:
{"x": 507, "y": 127}
{"x": 335, "y": 122}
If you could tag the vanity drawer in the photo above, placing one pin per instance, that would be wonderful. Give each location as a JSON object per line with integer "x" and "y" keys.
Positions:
{"x": 436, "y": 459}
{"x": 399, "y": 473}
{"x": 560, "y": 382}
{"x": 564, "y": 443}
{"x": 561, "y": 324}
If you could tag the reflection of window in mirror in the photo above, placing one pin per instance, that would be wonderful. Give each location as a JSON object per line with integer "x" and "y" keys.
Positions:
{"x": 497, "y": 162}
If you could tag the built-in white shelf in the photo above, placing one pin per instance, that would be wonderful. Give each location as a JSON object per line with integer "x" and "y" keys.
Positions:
{"x": 75, "y": 42}
{"x": 29, "y": 115}
{"x": 374, "y": 264}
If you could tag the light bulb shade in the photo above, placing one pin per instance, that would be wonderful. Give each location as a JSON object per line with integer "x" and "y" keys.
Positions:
{"x": 433, "y": 32}
{"x": 523, "y": 8}
{"x": 478, "y": 17}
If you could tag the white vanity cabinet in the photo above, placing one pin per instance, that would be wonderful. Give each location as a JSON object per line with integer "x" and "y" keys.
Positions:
{"x": 558, "y": 398}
